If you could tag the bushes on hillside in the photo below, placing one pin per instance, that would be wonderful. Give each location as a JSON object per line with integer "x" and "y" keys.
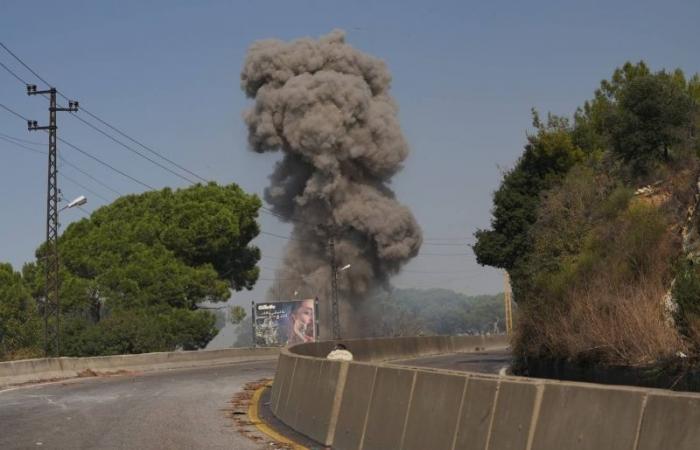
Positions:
{"x": 590, "y": 261}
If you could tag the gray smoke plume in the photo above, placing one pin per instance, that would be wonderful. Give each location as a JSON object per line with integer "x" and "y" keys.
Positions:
{"x": 327, "y": 106}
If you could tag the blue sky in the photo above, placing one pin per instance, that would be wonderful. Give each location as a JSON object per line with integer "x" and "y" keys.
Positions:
{"x": 465, "y": 77}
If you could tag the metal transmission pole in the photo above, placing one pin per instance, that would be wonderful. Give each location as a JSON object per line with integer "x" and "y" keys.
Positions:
{"x": 335, "y": 315}
{"x": 508, "y": 300}
{"x": 52, "y": 305}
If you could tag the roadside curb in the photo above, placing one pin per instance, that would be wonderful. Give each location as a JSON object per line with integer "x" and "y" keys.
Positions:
{"x": 254, "y": 417}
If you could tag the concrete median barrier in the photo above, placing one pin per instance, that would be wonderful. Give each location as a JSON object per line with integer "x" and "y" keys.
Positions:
{"x": 354, "y": 406}
{"x": 370, "y": 404}
{"x": 301, "y": 387}
{"x": 513, "y": 416}
{"x": 388, "y": 408}
{"x": 43, "y": 369}
{"x": 670, "y": 421}
{"x": 611, "y": 419}
{"x": 315, "y": 413}
{"x": 280, "y": 387}
{"x": 434, "y": 411}
{"x": 476, "y": 413}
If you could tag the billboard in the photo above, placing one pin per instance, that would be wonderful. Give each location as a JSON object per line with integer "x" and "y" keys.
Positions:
{"x": 285, "y": 323}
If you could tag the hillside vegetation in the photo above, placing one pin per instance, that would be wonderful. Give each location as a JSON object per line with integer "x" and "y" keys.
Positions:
{"x": 411, "y": 312}
{"x": 596, "y": 225}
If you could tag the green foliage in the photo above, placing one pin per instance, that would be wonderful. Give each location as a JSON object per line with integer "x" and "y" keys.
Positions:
{"x": 562, "y": 230}
{"x": 237, "y": 314}
{"x": 139, "y": 331}
{"x": 653, "y": 114}
{"x": 408, "y": 312}
{"x": 133, "y": 274}
{"x": 686, "y": 293}
{"x": 548, "y": 156}
{"x": 641, "y": 117}
{"x": 569, "y": 230}
{"x": 20, "y": 324}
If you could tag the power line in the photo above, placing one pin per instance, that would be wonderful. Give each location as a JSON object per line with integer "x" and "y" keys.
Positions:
{"x": 130, "y": 138}
{"x": 117, "y": 141}
{"x": 25, "y": 65}
{"x": 24, "y": 141}
{"x": 144, "y": 146}
{"x": 89, "y": 155}
{"x": 137, "y": 142}
{"x": 443, "y": 241}
{"x": 87, "y": 189}
{"x": 109, "y": 166}
{"x": 105, "y": 123}
{"x": 11, "y": 72}
{"x": 96, "y": 180}
{"x": 13, "y": 112}
{"x": 9, "y": 139}
{"x": 22, "y": 146}
{"x": 95, "y": 158}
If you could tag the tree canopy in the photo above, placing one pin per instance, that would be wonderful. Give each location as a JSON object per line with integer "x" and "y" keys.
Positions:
{"x": 20, "y": 325}
{"x": 548, "y": 156}
{"x": 133, "y": 273}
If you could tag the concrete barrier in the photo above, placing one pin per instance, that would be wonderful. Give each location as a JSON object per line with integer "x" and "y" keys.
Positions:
{"x": 512, "y": 419}
{"x": 475, "y": 417}
{"x": 611, "y": 419}
{"x": 354, "y": 406}
{"x": 43, "y": 369}
{"x": 434, "y": 412}
{"x": 370, "y": 404}
{"x": 388, "y": 408}
{"x": 670, "y": 421}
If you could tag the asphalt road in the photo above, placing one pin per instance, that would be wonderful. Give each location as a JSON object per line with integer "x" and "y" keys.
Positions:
{"x": 482, "y": 362}
{"x": 175, "y": 409}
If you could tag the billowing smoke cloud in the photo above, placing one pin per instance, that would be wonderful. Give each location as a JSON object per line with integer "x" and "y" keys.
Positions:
{"x": 327, "y": 106}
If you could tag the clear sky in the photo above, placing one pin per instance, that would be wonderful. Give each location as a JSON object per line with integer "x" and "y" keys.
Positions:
{"x": 466, "y": 74}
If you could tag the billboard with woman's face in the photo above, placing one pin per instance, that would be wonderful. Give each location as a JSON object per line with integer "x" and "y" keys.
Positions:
{"x": 284, "y": 323}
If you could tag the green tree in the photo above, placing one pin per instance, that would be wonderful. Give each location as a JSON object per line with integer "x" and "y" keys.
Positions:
{"x": 238, "y": 314}
{"x": 548, "y": 156}
{"x": 20, "y": 324}
{"x": 654, "y": 114}
{"x": 135, "y": 271}
{"x": 640, "y": 116}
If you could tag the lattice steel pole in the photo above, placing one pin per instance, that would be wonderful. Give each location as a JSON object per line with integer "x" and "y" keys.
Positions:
{"x": 52, "y": 305}
{"x": 335, "y": 315}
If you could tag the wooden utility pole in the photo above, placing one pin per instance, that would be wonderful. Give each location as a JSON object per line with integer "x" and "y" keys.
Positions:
{"x": 508, "y": 300}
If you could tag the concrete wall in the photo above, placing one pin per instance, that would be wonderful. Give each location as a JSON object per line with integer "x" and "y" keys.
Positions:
{"x": 369, "y": 404}
{"x": 33, "y": 370}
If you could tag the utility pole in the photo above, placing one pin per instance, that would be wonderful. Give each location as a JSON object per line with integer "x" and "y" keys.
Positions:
{"x": 508, "y": 300}
{"x": 334, "y": 286}
{"x": 52, "y": 305}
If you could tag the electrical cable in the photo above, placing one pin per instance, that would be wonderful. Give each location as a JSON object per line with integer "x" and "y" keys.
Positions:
{"x": 444, "y": 241}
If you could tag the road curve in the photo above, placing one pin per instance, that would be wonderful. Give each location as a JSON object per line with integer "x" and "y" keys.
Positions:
{"x": 174, "y": 409}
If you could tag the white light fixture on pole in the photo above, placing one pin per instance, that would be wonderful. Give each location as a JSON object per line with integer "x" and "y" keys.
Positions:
{"x": 78, "y": 201}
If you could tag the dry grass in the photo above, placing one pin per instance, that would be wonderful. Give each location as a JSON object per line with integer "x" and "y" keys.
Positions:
{"x": 606, "y": 324}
